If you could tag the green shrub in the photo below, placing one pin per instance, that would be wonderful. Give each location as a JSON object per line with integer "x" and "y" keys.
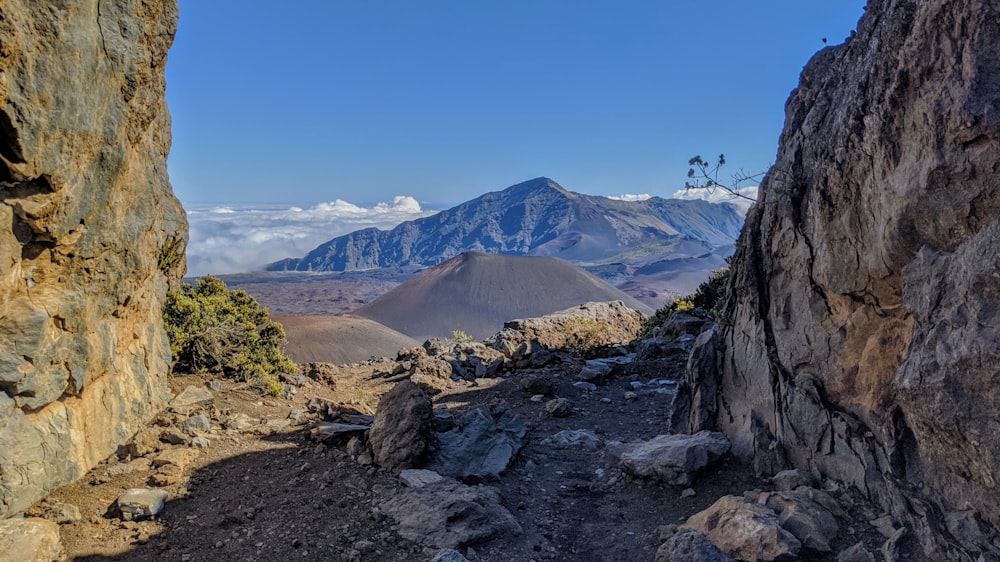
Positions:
{"x": 459, "y": 337}
{"x": 213, "y": 329}
{"x": 171, "y": 254}
{"x": 710, "y": 296}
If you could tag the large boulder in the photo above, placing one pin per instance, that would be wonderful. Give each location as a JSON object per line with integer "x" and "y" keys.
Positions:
{"x": 672, "y": 459}
{"x": 771, "y": 525}
{"x": 29, "y": 540}
{"x": 745, "y": 530}
{"x": 594, "y": 324}
{"x": 403, "y": 427}
{"x": 861, "y": 342}
{"x": 690, "y": 546}
{"x": 808, "y": 514}
{"x": 91, "y": 236}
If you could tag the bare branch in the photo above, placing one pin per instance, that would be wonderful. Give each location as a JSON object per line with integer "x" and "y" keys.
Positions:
{"x": 706, "y": 176}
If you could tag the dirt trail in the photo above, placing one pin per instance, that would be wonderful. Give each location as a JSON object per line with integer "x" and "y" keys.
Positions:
{"x": 266, "y": 491}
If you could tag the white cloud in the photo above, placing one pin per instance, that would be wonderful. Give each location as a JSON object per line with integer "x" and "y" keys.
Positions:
{"x": 719, "y": 195}
{"x": 239, "y": 238}
{"x": 630, "y": 197}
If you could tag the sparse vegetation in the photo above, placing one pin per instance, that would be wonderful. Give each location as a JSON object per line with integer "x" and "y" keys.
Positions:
{"x": 214, "y": 329}
{"x": 459, "y": 337}
{"x": 170, "y": 254}
{"x": 583, "y": 335}
{"x": 709, "y": 297}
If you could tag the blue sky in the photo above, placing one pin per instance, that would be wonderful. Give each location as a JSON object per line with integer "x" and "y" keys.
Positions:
{"x": 317, "y": 100}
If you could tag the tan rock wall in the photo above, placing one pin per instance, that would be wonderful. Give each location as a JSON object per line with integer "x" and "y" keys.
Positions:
{"x": 86, "y": 214}
{"x": 862, "y": 343}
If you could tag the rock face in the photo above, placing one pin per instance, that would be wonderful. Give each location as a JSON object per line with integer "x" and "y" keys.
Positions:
{"x": 862, "y": 336}
{"x": 90, "y": 234}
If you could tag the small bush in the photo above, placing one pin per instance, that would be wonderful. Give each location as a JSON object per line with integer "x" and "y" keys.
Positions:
{"x": 709, "y": 296}
{"x": 213, "y": 329}
{"x": 171, "y": 254}
{"x": 459, "y": 337}
{"x": 583, "y": 335}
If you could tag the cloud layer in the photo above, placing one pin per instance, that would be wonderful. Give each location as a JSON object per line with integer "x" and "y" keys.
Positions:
{"x": 240, "y": 238}
{"x": 630, "y": 197}
{"x": 719, "y": 195}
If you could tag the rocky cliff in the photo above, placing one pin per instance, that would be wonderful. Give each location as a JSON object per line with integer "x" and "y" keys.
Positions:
{"x": 90, "y": 233}
{"x": 863, "y": 331}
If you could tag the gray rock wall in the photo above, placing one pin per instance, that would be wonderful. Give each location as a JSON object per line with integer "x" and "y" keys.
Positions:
{"x": 862, "y": 341}
{"x": 90, "y": 233}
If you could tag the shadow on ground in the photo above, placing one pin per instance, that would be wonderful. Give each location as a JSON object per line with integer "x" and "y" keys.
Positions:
{"x": 297, "y": 501}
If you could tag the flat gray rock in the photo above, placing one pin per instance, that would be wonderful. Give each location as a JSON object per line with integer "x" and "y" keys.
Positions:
{"x": 141, "y": 503}
{"x": 672, "y": 459}
{"x": 418, "y": 478}
{"x": 449, "y": 514}
{"x": 480, "y": 447}
{"x": 573, "y": 439}
{"x": 191, "y": 397}
{"x": 449, "y": 555}
{"x": 196, "y": 423}
{"x": 331, "y": 431}
{"x": 598, "y": 369}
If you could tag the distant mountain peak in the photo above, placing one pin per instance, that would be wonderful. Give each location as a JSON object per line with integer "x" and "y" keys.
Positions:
{"x": 477, "y": 292}
{"x": 535, "y": 217}
{"x": 537, "y": 185}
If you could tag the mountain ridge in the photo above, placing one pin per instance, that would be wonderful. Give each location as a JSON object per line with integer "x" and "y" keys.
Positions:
{"x": 535, "y": 217}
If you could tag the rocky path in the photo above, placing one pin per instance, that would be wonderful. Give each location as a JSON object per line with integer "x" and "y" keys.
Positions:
{"x": 267, "y": 491}
{"x": 563, "y": 472}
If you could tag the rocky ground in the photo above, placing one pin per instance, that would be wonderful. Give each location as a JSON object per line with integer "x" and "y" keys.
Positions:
{"x": 536, "y": 455}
